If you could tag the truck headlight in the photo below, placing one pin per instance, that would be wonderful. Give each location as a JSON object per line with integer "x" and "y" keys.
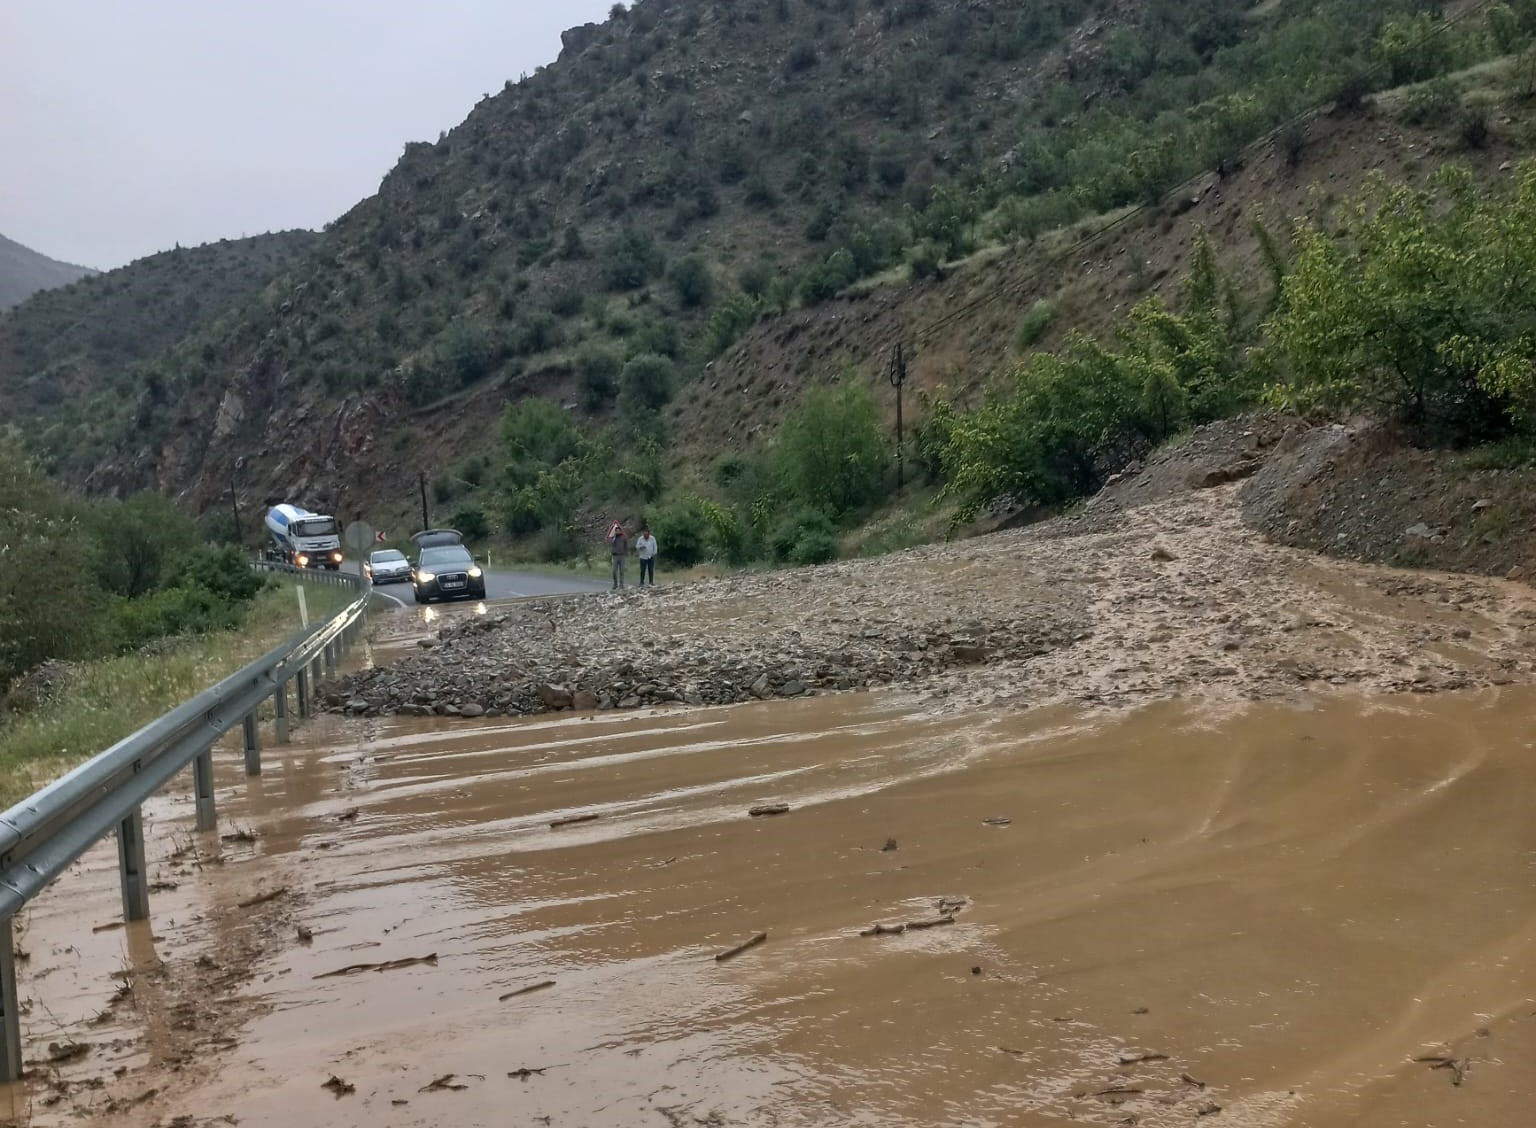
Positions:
{"x": 336, "y": 556}
{"x": 303, "y": 560}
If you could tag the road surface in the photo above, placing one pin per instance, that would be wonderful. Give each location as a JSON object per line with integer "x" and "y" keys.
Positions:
{"x": 499, "y": 585}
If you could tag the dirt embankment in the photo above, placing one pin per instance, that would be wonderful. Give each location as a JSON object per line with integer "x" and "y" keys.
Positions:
{"x": 1155, "y": 588}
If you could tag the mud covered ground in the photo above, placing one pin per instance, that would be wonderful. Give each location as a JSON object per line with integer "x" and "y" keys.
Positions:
{"x": 1156, "y": 588}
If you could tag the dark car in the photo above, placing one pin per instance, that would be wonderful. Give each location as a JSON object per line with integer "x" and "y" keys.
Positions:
{"x": 387, "y": 566}
{"x": 447, "y": 572}
{"x": 433, "y": 538}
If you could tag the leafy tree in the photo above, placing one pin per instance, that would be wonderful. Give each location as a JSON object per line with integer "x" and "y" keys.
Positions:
{"x": 646, "y": 383}
{"x": 633, "y": 259}
{"x": 832, "y": 453}
{"x": 537, "y": 434}
{"x": 597, "y": 368}
{"x": 692, "y": 281}
{"x": 1428, "y": 311}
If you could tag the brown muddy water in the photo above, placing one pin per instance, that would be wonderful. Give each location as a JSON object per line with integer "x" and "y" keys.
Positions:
{"x": 1256, "y": 917}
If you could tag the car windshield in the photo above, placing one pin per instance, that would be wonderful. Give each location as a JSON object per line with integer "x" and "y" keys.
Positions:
{"x": 315, "y": 527}
{"x": 449, "y": 556}
{"x": 388, "y": 556}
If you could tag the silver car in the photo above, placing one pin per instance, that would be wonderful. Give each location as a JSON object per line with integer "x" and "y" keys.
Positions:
{"x": 387, "y": 566}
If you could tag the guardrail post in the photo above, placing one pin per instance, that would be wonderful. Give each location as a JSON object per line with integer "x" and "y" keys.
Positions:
{"x": 202, "y": 788}
{"x": 252, "y": 745}
{"x": 301, "y": 691}
{"x": 280, "y": 711}
{"x": 330, "y": 658}
{"x": 130, "y": 858}
{"x": 10, "y": 1007}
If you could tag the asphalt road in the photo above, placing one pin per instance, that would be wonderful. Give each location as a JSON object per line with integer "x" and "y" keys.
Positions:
{"x": 499, "y": 585}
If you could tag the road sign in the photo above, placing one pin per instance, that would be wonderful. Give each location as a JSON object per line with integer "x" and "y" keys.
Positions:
{"x": 380, "y": 537}
{"x": 359, "y": 538}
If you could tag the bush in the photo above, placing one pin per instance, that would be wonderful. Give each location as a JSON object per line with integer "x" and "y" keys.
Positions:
{"x": 633, "y": 260}
{"x": 646, "y": 383}
{"x": 926, "y": 260}
{"x": 682, "y": 532}
{"x": 597, "y": 370}
{"x": 692, "y": 281}
{"x": 832, "y": 453}
{"x": 807, "y": 536}
{"x": 470, "y": 520}
{"x": 1035, "y": 323}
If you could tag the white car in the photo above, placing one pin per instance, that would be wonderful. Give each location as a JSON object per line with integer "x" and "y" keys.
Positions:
{"x": 387, "y": 566}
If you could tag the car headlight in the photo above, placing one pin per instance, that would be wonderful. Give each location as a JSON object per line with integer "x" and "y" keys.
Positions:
{"x": 475, "y": 573}
{"x": 426, "y": 577}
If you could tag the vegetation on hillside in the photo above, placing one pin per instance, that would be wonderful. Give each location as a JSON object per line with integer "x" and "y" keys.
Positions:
{"x": 688, "y": 166}
{"x": 115, "y": 574}
{"x": 591, "y": 236}
{"x": 23, "y": 272}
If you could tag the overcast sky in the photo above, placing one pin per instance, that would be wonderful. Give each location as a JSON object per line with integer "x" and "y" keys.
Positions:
{"x": 127, "y": 126}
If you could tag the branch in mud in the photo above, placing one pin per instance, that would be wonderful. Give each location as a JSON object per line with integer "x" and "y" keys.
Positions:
{"x": 387, "y": 965}
{"x": 526, "y": 990}
{"x": 573, "y": 820}
{"x": 732, "y": 953}
{"x": 263, "y": 898}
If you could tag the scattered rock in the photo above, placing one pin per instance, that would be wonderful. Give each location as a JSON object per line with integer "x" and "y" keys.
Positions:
{"x": 471, "y": 709}
{"x": 584, "y": 701}
{"x": 1162, "y": 555}
{"x": 555, "y": 696}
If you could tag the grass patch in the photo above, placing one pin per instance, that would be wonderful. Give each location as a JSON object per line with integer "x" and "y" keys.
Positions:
{"x": 110, "y": 698}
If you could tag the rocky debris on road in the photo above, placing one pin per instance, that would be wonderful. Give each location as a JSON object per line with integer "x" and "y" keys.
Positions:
{"x": 755, "y": 637}
{"x": 1156, "y": 588}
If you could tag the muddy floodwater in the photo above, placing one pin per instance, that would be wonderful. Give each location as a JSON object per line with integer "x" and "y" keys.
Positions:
{"x": 1250, "y": 916}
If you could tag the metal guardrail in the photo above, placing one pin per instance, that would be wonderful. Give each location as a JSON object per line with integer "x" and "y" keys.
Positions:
{"x": 43, "y": 834}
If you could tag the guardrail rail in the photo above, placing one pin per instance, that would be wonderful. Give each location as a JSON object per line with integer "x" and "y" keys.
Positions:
{"x": 43, "y": 834}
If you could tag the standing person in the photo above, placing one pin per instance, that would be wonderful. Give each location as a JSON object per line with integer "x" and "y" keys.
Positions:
{"x": 618, "y": 545}
{"x": 645, "y": 548}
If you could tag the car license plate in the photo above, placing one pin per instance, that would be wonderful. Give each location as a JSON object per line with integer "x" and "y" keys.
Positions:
{"x": 453, "y": 583}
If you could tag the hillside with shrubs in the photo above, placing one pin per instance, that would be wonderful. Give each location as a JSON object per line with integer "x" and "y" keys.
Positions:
{"x": 664, "y": 276}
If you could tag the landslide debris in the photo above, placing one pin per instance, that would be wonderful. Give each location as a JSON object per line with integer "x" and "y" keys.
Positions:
{"x": 1155, "y": 588}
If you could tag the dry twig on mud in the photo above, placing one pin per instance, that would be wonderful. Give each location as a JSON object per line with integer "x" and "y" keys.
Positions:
{"x": 934, "y": 922}
{"x": 1457, "y": 1066}
{"x": 573, "y": 820}
{"x": 445, "y": 1082}
{"x": 732, "y": 953}
{"x": 884, "y": 930}
{"x": 387, "y": 965}
{"x": 768, "y": 809}
{"x": 525, "y": 990}
{"x": 338, "y": 1086}
{"x": 263, "y": 898}
{"x": 527, "y": 1071}
{"x": 1131, "y": 1057}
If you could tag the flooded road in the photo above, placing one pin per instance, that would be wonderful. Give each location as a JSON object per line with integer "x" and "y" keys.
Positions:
{"x": 1255, "y": 916}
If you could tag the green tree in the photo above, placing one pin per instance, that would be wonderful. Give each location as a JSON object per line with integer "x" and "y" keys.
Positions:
{"x": 536, "y": 435}
{"x": 646, "y": 383}
{"x": 832, "y": 453}
{"x": 1427, "y": 311}
{"x": 691, "y": 281}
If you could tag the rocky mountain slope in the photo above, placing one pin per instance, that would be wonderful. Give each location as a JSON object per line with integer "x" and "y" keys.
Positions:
{"x": 63, "y": 346}
{"x": 682, "y": 169}
{"x": 23, "y": 272}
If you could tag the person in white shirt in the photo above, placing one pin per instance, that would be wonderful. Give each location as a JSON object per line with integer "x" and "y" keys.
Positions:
{"x": 645, "y": 548}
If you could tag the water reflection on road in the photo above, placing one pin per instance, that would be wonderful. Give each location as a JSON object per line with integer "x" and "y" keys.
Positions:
{"x": 1272, "y": 912}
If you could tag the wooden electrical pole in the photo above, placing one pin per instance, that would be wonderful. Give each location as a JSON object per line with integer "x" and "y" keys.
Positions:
{"x": 426, "y": 519}
{"x": 898, "y": 377}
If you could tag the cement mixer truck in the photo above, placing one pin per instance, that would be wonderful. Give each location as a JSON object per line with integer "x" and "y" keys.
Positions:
{"x": 304, "y": 539}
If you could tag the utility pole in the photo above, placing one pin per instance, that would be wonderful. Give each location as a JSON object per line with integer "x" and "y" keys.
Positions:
{"x": 426, "y": 519}
{"x": 234, "y": 503}
{"x": 898, "y": 377}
